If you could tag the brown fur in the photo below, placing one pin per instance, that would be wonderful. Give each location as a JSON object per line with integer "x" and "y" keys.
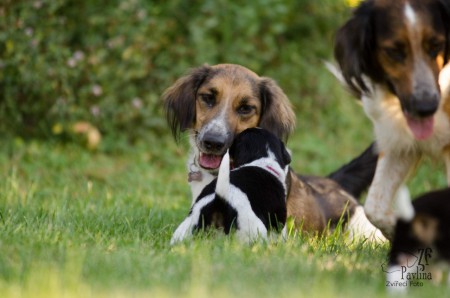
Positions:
{"x": 234, "y": 87}
{"x": 392, "y": 54}
{"x": 245, "y": 100}
{"x": 379, "y": 42}
{"x": 233, "y": 91}
{"x": 405, "y": 56}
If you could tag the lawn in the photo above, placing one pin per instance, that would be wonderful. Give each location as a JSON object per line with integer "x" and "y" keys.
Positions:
{"x": 76, "y": 223}
{"x": 81, "y": 223}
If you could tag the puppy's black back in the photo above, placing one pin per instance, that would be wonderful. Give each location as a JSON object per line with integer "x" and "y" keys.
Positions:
{"x": 265, "y": 193}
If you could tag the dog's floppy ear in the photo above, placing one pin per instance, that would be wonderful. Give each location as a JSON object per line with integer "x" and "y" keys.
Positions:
{"x": 354, "y": 48}
{"x": 277, "y": 115}
{"x": 445, "y": 13}
{"x": 179, "y": 99}
{"x": 285, "y": 154}
{"x": 425, "y": 228}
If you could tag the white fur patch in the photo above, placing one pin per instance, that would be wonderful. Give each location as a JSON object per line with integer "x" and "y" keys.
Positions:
{"x": 360, "y": 227}
{"x": 444, "y": 80}
{"x": 184, "y": 230}
{"x": 192, "y": 166}
{"x": 223, "y": 178}
{"x": 403, "y": 207}
{"x": 263, "y": 163}
{"x": 218, "y": 125}
{"x": 410, "y": 15}
{"x": 250, "y": 226}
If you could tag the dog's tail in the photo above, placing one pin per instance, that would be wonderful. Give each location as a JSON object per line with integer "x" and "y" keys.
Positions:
{"x": 357, "y": 175}
{"x": 223, "y": 178}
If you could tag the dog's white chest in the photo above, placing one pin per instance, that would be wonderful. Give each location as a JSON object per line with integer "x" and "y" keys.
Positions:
{"x": 391, "y": 129}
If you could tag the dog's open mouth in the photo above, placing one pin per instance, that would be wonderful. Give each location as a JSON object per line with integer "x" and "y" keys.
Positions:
{"x": 209, "y": 161}
{"x": 421, "y": 128}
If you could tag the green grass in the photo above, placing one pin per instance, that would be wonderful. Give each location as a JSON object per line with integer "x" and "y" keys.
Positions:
{"x": 74, "y": 223}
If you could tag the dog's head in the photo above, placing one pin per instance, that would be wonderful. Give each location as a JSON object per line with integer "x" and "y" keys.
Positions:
{"x": 401, "y": 45}
{"x": 256, "y": 143}
{"x": 215, "y": 103}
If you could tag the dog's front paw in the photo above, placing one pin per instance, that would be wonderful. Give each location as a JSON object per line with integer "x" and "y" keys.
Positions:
{"x": 183, "y": 231}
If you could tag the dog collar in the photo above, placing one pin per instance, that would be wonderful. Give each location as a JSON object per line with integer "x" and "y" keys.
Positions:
{"x": 273, "y": 171}
{"x": 195, "y": 176}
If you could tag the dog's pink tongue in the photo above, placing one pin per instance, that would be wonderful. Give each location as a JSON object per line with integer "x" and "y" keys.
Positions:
{"x": 421, "y": 128}
{"x": 210, "y": 161}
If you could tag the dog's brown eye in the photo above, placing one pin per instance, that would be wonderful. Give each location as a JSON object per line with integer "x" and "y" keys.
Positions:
{"x": 245, "y": 109}
{"x": 208, "y": 99}
{"x": 396, "y": 54}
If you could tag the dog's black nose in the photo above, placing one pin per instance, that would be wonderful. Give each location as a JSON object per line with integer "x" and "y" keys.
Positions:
{"x": 214, "y": 143}
{"x": 425, "y": 105}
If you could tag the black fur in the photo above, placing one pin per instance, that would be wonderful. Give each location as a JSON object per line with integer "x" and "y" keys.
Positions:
{"x": 354, "y": 48}
{"x": 355, "y": 176}
{"x": 253, "y": 143}
{"x": 266, "y": 194}
{"x": 218, "y": 206}
{"x": 444, "y": 8}
{"x": 355, "y": 42}
{"x": 268, "y": 203}
{"x": 436, "y": 206}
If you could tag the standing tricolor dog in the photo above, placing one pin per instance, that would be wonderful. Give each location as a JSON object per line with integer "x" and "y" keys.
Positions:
{"x": 251, "y": 198}
{"x": 392, "y": 55}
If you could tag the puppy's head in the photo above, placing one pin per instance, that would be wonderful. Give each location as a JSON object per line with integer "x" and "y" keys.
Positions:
{"x": 428, "y": 228}
{"x": 256, "y": 143}
{"x": 215, "y": 103}
{"x": 401, "y": 45}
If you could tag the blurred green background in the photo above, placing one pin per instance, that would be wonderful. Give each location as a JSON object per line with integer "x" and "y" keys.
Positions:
{"x": 91, "y": 72}
{"x": 92, "y": 184}
{"x": 108, "y": 62}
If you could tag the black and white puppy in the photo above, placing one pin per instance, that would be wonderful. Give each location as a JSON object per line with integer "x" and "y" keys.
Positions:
{"x": 250, "y": 198}
{"x": 422, "y": 241}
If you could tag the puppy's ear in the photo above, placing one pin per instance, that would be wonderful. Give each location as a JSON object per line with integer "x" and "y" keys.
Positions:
{"x": 425, "y": 228}
{"x": 277, "y": 114}
{"x": 354, "y": 49}
{"x": 285, "y": 154}
{"x": 445, "y": 15}
{"x": 179, "y": 100}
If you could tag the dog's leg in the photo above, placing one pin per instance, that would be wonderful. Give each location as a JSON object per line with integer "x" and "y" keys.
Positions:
{"x": 389, "y": 175}
{"x": 361, "y": 228}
